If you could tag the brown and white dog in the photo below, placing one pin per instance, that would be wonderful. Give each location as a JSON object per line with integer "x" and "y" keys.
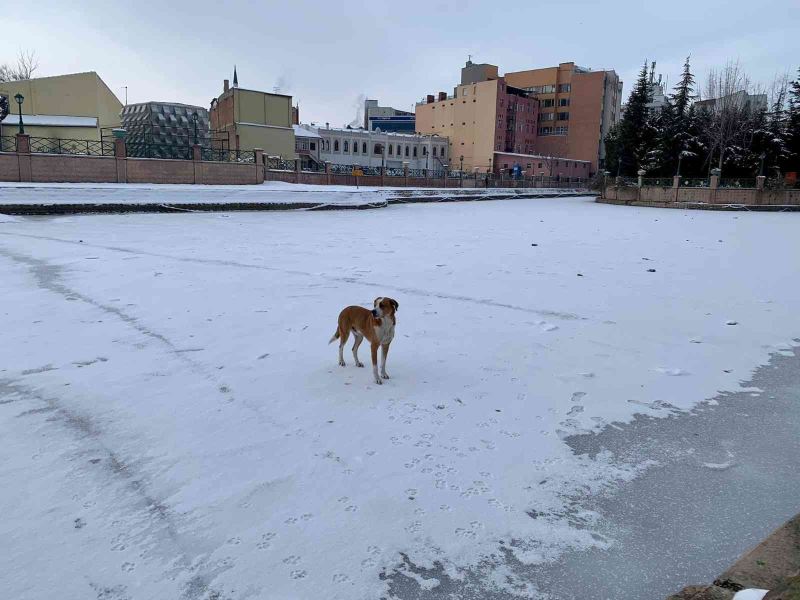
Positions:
{"x": 377, "y": 325}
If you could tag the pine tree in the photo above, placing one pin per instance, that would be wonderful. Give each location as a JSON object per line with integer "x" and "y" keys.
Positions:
{"x": 792, "y": 161}
{"x": 684, "y": 91}
{"x": 634, "y": 136}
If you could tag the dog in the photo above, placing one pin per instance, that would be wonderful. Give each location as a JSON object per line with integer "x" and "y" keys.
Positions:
{"x": 377, "y": 325}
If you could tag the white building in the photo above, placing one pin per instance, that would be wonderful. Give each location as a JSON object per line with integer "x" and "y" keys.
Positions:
{"x": 377, "y": 148}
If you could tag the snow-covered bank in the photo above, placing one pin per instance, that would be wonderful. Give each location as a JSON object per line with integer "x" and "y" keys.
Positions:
{"x": 50, "y": 194}
{"x": 174, "y": 420}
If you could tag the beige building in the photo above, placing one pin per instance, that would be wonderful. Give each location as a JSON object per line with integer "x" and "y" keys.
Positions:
{"x": 79, "y": 106}
{"x": 242, "y": 119}
{"x": 577, "y": 108}
{"x": 484, "y": 115}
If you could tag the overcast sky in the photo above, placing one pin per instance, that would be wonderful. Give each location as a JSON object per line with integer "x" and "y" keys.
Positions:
{"x": 327, "y": 54}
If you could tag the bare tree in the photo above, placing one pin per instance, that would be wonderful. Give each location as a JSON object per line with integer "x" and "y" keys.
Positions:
{"x": 728, "y": 102}
{"x": 26, "y": 65}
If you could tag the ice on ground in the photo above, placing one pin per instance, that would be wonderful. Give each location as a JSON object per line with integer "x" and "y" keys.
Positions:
{"x": 174, "y": 423}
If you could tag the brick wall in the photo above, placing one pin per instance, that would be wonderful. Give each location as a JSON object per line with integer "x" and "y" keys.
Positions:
{"x": 750, "y": 197}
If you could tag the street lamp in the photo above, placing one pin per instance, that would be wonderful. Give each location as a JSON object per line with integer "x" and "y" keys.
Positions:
{"x": 761, "y": 168}
{"x": 19, "y": 98}
{"x": 462, "y": 163}
{"x": 194, "y": 122}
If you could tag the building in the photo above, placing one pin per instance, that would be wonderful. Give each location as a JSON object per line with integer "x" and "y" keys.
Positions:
{"x": 307, "y": 146}
{"x": 577, "y": 109}
{"x": 740, "y": 99}
{"x": 387, "y": 118}
{"x": 78, "y": 106}
{"x": 242, "y": 119}
{"x": 528, "y": 165}
{"x": 165, "y": 124}
{"x": 360, "y": 147}
{"x": 484, "y": 115}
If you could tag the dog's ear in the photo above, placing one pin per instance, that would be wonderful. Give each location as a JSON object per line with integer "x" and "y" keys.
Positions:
{"x": 375, "y": 302}
{"x": 395, "y": 304}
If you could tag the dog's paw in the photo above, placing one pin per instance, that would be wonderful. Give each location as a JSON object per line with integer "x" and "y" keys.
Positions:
{"x": 385, "y": 376}
{"x": 342, "y": 363}
{"x": 378, "y": 381}
{"x": 360, "y": 364}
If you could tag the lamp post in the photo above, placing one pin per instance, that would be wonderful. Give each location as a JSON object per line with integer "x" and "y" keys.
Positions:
{"x": 194, "y": 123}
{"x": 761, "y": 168}
{"x": 19, "y": 98}
{"x": 680, "y": 158}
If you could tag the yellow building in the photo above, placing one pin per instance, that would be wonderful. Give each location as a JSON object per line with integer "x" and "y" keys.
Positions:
{"x": 244, "y": 119}
{"x": 78, "y": 106}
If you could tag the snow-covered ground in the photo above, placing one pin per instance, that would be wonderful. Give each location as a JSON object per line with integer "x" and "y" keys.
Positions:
{"x": 174, "y": 424}
{"x": 272, "y": 192}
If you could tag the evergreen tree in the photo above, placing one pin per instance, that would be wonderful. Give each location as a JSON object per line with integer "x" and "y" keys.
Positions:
{"x": 792, "y": 160}
{"x": 633, "y": 138}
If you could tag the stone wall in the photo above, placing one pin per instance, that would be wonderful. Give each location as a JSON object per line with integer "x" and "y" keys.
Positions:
{"x": 653, "y": 195}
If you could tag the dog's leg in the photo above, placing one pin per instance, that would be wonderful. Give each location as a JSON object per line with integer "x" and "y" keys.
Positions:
{"x": 356, "y": 344}
{"x": 343, "y": 335}
{"x": 374, "y": 349}
{"x": 383, "y": 360}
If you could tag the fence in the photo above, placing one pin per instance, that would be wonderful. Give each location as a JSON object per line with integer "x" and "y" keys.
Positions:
{"x": 26, "y": 158}
{"x": 75, "y": 147}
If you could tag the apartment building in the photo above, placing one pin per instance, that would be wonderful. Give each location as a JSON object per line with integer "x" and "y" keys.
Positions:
{"x": 577, "y": 108}
{"x": 243, "y": 119}
{"x": 387, "y": 118}
{"x": 484, "y": 115}
{"x": 78, "y": 106}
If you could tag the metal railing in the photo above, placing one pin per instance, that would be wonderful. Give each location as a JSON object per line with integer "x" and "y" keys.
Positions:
{"x": 277, "y": 163}
{"x": 167, "y": 151}
{"x": 8, "y": 144}
{"x": 658, "y": 181}
{"x": 76, "y": 147}
{"x": 738, "y": 182}
{"x": 395, "y": 172}
{"x": 694, "y": 182}
{"x": 220, "y": 155}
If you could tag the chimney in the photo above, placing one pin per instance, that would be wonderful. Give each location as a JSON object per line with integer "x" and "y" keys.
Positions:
{"x": 327, "y": 125}
{"x": 226, "y": 85}
{"x": 442, "y": 96}
{"x": 429, "y": 99}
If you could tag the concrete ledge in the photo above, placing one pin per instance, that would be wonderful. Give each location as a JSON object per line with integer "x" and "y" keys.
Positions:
{"x": 172, "y": 207}
{"x": 705, "y": 206}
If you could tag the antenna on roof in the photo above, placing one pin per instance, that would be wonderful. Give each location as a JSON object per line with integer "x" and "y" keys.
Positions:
{"x": 235, "y": 77}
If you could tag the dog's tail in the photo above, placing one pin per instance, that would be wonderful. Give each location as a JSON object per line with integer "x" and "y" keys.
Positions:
{"x": 335, "y": 336}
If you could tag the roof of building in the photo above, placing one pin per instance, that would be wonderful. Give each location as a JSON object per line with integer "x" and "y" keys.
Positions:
{"x": 165, "y": 103}
{"x": 376, "y": 132}
{"x": 301, "y": 131}
{"x": 55, "y": 120}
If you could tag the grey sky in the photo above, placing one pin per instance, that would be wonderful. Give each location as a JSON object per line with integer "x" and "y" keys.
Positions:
{"x": 326, "y": 54}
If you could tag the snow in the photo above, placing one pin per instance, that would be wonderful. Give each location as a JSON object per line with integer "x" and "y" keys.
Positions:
{"x": 268, "y": 193}
{"x": 53, "y": 120}
{"x": 750, "y": 594}
{"x": 174, "y": 423}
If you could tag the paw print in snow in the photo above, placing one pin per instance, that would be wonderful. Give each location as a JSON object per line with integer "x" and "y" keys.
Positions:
{"x": 298, "y": 574}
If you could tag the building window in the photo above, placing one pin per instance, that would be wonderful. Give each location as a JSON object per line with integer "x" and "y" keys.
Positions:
{"x": 424, "y": 151}
{"x": 563, "y": 116}
{"x": 406, "y": 151}
{"x": 548, "y": 116}
{"x": 335, "y": 145}
{"x": 562, "y": 130}
{"x": 313, "y": 145}
{"x": 364, "y": 148}
{"x": 391, "y": 150}
{"x": 564, "y": 87}
{"x": 346, "y": 146}
{"x": 465, "y": 92}
{"x": 415, "y": 152}
{"x": 540, "y": 165}
{"x": 434, "y": 152}
{"x": 355, "y": 147}
{"x": 378, "y": 149}
{"x": 529, "y": 165}
{"x": 563, "y": 101}
{"x": 545, "y": 131}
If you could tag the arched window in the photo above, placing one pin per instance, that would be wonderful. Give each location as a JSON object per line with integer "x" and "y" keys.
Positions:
{"x": 424, "y": 151}
{"x": 364, "y": 148}
{"x": 355, "y": 147}
{"x": 390, "y": 149}
{"x": 434, "y": 152}
{"x": 406, "y": 151}
{"x": 378, "y": 149}
{"x": 415, "y": 152}
{"x": 346, "y": 146}
{"x": 335, "y": 145}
